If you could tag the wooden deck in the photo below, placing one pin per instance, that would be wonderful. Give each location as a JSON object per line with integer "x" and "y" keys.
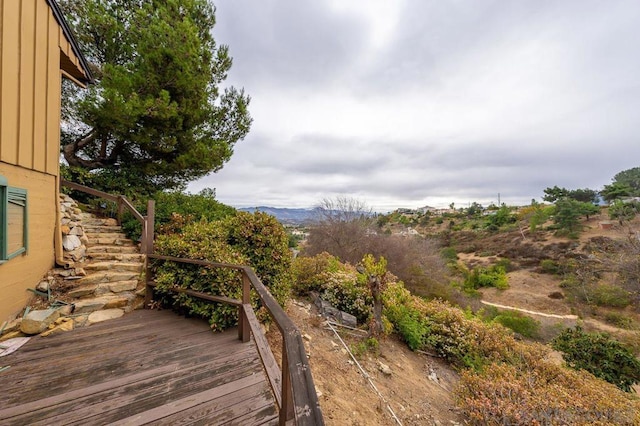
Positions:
{"x": 148, "y": 367}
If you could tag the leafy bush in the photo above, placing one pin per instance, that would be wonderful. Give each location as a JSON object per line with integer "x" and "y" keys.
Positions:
{"x": 610, "y": 295}
{"x": 619, "y": 320}
{"x": 491, "y": 276}
{"x": 519, "y": 323}
{"x": 549, "y": 266}
{"x": 256, "y": 240}
{"x": 174, "y": 210}
{"x": 449, "y": 254}
{"x": 600, "y": 355}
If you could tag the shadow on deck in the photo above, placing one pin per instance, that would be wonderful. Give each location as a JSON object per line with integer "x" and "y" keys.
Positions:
{"x": 148, "y": 367}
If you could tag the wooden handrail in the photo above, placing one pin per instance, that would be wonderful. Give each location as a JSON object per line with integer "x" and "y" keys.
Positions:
{"x": 293, "y": 388}
{"x": 146, "y": 239}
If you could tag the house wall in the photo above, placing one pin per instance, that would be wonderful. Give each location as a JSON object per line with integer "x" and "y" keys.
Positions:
{"x": 34, "y": 50}
{"x": 26, "y": 271}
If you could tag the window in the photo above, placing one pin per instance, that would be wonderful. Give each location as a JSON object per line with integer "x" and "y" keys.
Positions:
{"x": 13, "y": 221}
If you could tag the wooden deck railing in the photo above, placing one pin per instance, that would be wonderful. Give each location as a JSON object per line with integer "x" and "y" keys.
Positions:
{"x": 122, "y": 203}
{"x": 292, "y": 386}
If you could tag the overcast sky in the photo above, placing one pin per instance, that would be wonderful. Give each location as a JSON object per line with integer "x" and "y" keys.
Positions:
{"x": 427, "y": 102}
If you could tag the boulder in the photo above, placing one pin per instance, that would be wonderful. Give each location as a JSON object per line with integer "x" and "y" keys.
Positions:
{"x": 104, "y": 315}
{"x": 38, "y": 321}
{"x": 71, "y": 242}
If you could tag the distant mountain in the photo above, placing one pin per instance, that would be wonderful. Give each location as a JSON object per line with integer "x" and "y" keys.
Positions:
{"x": 285, "y": 215}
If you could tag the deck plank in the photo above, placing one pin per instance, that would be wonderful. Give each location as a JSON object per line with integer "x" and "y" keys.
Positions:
{"x": 148, "y": 367}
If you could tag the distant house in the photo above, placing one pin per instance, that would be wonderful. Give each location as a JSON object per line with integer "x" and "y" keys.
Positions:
{"x": 37, "y": 50}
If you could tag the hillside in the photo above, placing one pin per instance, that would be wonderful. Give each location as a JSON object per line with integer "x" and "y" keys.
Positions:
{"x": 591, "y": 277}
{"x": 417, "y": 387}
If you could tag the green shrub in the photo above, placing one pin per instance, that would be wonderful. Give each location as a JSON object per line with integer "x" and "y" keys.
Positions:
{"x": 610, "y": 295}
{"x": 519, "y": 323}
{"x": 255, "y": 240}
{"x": 600, "y": 355}
{"x": 369, "y": 345}
{"x": 449, "y": 254}
{"x": 491, "y": 276}
{"x": 549, "y": 266}
{"x": 619, "y": 320}
{"x": 174, "y": 210}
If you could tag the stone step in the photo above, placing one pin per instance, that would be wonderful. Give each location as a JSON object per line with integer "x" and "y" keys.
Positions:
{"x": 114, "y": 266}
{"x": 113, "y": 235}
{"x": 101, "y": 229}
{"x": 130, "y": 249}
{"x": 109, "y": 241}
{"x": 86, "y": 306}
{"x": 102, "y": 289}
{"x": 123, "y": 257}
{"x": 103, "y": 277}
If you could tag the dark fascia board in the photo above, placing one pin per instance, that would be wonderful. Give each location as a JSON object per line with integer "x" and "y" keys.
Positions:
{"x": 57, "y": 13}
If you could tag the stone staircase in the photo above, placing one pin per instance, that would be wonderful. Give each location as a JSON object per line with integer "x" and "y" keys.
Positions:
{"x": 113, "y": 268}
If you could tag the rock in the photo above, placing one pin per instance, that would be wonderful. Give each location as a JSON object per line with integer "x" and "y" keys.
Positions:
{"x": 348, "y": 319}
{"x": 66, "y": 309}
{"x": 89, "y": 305}
{"x": 107, "y": 314}
{"x": 11, "y": 335}
{"x": 43, "y": 286}
{"x": 82, "y": 291}
{"x": 11, "y": 326}
{"x": 80, "y": 272}
{"x": 38, "y": 321}
{"x": 384, "y": 368}
{"x": 306, "y": 337}
{"x": 66, "y": 325}
{"x": 79, "y": 252}
{"x": 65, "y": 229}
{"x": 71, "y": 242}
{"x": 77, "y": 230}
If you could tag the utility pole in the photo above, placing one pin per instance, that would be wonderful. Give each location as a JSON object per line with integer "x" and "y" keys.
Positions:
{"x": 499, "y": 200}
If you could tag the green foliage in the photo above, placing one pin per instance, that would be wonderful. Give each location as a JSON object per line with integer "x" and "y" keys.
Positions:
{"x": 491, "y": 276}
{"x": 567, "y": 215}
{"x": 263, "y": 241}
{"x": 174, "y": 210}
{"x": 549, "y": 266}
{"x": 368, "y": 345}
{"x": 630, "y": 179}
{"x": 623, "y": 210}
{"x": 584, "y": 195}
{"x": 616, "y": 190}
{"x": 449, "y": 254}
{"x": 600, "y": 355}
{"x": 610, "y": 295}
{"x": 413, "y": 328}
{"x": 156, "y": 118}
{"x": 499, "y": 218}
{"x": 619, "y": 320}
{"x": 519, "y": 323}
{"x": 230, "y": 240}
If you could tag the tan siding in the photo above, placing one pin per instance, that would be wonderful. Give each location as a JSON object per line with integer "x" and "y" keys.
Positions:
{"x": 25, "y": 271}
{"x": 53, "y": 99}
{"x": 9, "y": 81}
{"x": 40, "y": 84}
{"x": 27, "y": 54}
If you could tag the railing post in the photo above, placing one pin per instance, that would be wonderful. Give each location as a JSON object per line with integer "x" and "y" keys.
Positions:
{"x": 244, "y": 332}
{"x": 147, "y": 249}
{"x": 286, "y": 410}
{"x": 120, "y": 210}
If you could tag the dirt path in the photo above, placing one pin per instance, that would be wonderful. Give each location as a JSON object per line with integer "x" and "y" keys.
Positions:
{"x": 526, "y": 311}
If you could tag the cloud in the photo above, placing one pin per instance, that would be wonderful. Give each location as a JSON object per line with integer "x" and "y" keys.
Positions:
{"x": 412, "y": 102}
